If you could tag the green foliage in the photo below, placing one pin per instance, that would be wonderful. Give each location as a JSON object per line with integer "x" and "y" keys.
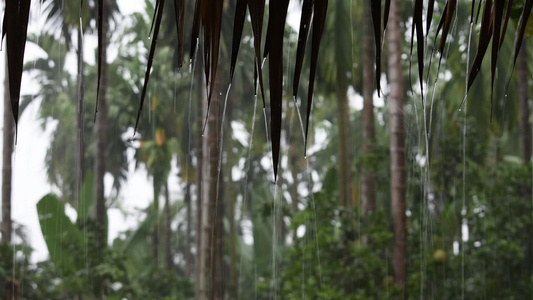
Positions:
{"x": 62, "y": 237}
{"x": 338, "y": 256}
{"x": 496, "y": 260}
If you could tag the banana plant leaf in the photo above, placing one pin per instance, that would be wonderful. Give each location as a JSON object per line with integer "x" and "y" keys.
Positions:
{"x": 62, "y": 237}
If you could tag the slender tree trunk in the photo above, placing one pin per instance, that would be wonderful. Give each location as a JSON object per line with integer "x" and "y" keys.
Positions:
{"x": 345, "y": 164}
{"x": 217, "y": 276}
{"x": 230, "y": 210}
{"x": 293, "y": 159}
{"x": 80, "y": 150}
{"x": 368, "y": 187}
{"x": 523, "y": 94}
{"x": 397, "y": 144}
{"x": 201, "y": 110}
{"x": 168, "y": 230}
{"x": 100, "y": 167}
{"x": 293, "y": 156}
{"x": 208, "y": 250}
{"x": 8, "y": 138}
{"x": 188, "y": 255}
{"x": 155, "y": 226}
{"x": 11, "y": 286}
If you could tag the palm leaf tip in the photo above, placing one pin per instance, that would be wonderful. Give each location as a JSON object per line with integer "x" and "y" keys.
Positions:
{"x": 238, "y": 24}
{"x": 15, "y": 30}
{"x": 157, "y": 24}
{"x": 274, "y": 48}
{"x": 319, "y": 22}
{"x": 100, "y": 53}
{"x": 305, "y": 22}
{"x": 375, "y": 6}
{"x": 179, "y": 10}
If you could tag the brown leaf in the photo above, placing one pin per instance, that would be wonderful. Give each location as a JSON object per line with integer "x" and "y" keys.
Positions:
{"x": 257, "y": 11}
{"x": 305, "y": 23}
{"x": 238, "y": 24}
{"x": 157, "y": 24}
{"x": 179, "y": 9}
{"x": 485, "y": 35}
{"x": 497, "y": 16}
{"x": 451, "y": 5}
{"x": 375, "y": 6}
{"x": 431, "y": 5}
{"x": 319, "y": 22}
{"x": 386, "y": 14}
{"x": 418, "y": 27}
{"x": 15, "y": 29}
{"x": 195, "y": 32}
{"x": 100, "y": 46}
{"x": 521, "y": 28}
{"x": 274, "y": 47}
{"x": 507, "y": 17}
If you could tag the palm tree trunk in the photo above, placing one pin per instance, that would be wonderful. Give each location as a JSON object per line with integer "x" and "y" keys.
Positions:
{"x": 232, "y": 200}
{"x": 168, "y": 230}
{"x": 100, "y": 158}
{"x": 208, "y": 285}
{"x": 155, "y": 225}
{"x": 368, "y": 186}
{"x": 523, "y": 94}
{"x": 293, "y": 150}
{"x": 345, "y": 177}
{"x": 80, "y": 150}
{"x": 397, "y": 144}
{"x": 188, "y": 255}
{"x": 200, "y": 114}
{"x": 8, "y": 139}
{"x": 217, "y": 276}
{"x": 11, "y": 286}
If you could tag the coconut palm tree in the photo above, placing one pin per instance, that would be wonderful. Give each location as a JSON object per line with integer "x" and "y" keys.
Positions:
{"x": 368, "y": 182}
{"x": 337, "y": 67}
{"x": 7, "y": 168}
{"x": 397, "y": 144}
{"x": 523, "y": 95}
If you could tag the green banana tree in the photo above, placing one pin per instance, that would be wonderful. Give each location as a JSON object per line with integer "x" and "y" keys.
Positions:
{"x": 71, "y": 245}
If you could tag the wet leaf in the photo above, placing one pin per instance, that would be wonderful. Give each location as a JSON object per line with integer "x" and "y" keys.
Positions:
{"x": 485, "y": 35}
{"x": 375, "y": 6}
{"x": 386, "y": 14}
{"x": 305, "y": 23}
{"x": 257, "y": 10}
{"x": 238, "y": 24}
{"x": 211, "y": 12}
{"x": 521, "y": 28}
{"x": 451, "y": 5}
{"x": 159, "y": 15}
{"x": 179, "y": 9}
{"x": 508, "y": 10}
{"x": 195, "y": 32}
{"x": 319, "y": 22}
{"x": 100, "y": 53}
{"x": 431, "y": 5}
{"x": 472, "y": 11}
{"x": 15, "y": 30}
{"x": 274, "y": 48}
{"x": 418, "y": 27}
{"x": 497, "y": 15}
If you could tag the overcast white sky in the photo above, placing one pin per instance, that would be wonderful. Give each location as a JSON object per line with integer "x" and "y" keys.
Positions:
{"x": 30, "y": 183}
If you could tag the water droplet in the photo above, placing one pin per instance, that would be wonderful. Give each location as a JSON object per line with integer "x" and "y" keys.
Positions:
{"x": 305, "y": 156}
{"x": 460, "y": 109}
{"x": 149, "y": 38}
